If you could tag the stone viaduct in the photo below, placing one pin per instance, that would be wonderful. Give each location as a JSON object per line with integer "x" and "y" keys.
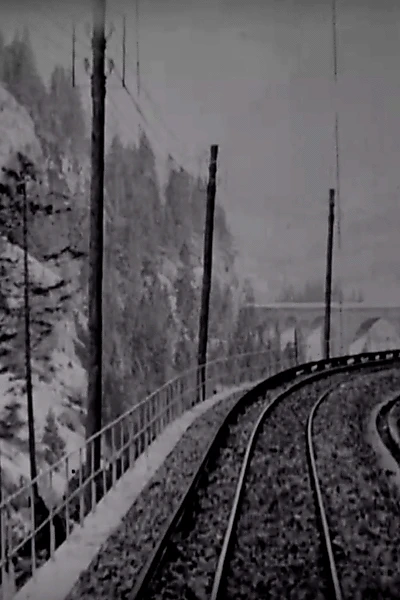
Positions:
{"x": 356, "y": 318}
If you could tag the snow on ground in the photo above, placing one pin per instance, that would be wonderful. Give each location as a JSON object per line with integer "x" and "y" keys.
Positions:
{"x": 53, "y": 395}
{"x": 11, "y": 283}
{"x": 58, "y": 377}
{"x": 58, "y": 394}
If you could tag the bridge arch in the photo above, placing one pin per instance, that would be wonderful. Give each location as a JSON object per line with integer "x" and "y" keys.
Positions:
{"x": 365, "y": 327}
{"x": 381, "y": 331}
{"x": 317, "y": 322}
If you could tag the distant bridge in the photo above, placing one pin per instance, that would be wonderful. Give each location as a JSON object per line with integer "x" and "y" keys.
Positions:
{"x": 306, "y": 317}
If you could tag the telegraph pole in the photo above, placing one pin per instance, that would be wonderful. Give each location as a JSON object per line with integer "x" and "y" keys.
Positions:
{"x": 328, "y": 282}
{"x": 137, "y": 64}
{"x": 73, "y": 54}
{"x": 207, "y": 272}
{"x": 28, "y": 358}
{"x": 137, "y": 50}
{"x": 95, "y": 321}
{"x": 124, "y": 51}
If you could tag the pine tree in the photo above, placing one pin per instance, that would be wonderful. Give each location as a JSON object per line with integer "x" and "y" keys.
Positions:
{"x": 176, "y": 222}
{"x": 150, "y": 343}
{"x": 224, "y": 236}
{"x": 184, "y": 357}
{"x": 186, "y": 296}
{"x": 216, "y": 325}
{"x": 54, "y": 443}
{"x": 198, "y": 197}
{"x": 66, "y": 117}
{"x": 1, "y": 55}
{"x": 10, "y": 421}
{"x": 243, "y": 339}
{"x": 222, "y": 315}
{"x": 145, "y": 193}
{"x": 248, "y": 295}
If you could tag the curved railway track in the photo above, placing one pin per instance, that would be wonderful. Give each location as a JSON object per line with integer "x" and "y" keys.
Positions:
{"x": 251, "y": 435}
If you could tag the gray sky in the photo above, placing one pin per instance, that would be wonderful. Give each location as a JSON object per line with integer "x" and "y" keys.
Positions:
{"x": 256, "y": 77}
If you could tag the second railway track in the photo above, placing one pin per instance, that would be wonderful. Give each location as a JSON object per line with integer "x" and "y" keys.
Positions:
{"x": 249, "y": 525}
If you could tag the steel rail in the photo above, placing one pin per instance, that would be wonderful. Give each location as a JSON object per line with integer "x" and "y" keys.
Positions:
{"x": 313, "y": 469}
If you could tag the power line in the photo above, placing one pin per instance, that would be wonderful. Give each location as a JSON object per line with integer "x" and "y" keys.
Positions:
{"x": 60, "y": 27}
{"x": 184, "y": 152}
{"x": 140, "y": 112}
{"x": 140, "y": 87}
{"x": 137, "y": 48}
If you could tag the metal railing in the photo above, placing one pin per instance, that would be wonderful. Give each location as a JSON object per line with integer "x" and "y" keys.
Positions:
{"x": 48, "y": 525}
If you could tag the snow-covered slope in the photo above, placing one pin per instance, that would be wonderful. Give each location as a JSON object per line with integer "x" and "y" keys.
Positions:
{"x": 59, "y": 379}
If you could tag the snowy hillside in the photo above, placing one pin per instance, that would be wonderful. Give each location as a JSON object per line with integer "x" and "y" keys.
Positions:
{"x": 59, "y": 379}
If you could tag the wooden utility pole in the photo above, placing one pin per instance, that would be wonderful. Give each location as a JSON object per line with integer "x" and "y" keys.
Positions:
{"x": 95, "y": 321}
{"x": 138, "y": 64}
{"x": 296, "y": 345}
{"x": 328, "y": 282}
{"x": 124, "y": 51}
{"x": 28, "y": 358}
{"x": 73, "y": 54}
{"x": 137, "y": 50}
{"x": 207, "y": 272}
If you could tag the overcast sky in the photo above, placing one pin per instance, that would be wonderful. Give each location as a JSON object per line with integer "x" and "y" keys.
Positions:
{"x": 256, "y": 78}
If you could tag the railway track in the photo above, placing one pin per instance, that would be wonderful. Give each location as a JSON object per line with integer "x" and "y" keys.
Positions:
{"x": 253, "y": 522}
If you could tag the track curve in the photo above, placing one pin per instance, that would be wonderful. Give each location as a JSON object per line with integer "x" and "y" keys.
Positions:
{"x": 319, "y": 370}
{"x": 327, "y": 571}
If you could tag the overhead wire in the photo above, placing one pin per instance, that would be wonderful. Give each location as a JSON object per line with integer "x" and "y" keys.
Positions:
{"x": 158, "y": 114}
{"x": 181, "y": 162}
{"x": 184, "y": 163}
{"x": 195, "y": 166}
{"x": 140, "y": 87}
{"x": 44, "y": 14}
{"x": 44, "y": 34}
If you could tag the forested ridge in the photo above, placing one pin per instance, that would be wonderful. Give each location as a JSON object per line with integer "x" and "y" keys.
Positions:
{"x": 153, "y": 244}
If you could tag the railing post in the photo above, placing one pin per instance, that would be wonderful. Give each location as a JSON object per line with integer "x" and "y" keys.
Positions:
{"x": 33, "y": 525}
{"x": 81, "y": 489}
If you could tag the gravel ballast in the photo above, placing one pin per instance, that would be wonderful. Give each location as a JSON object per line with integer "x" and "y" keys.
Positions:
{"x": 193, "y": 555}
{"x": 361, "y": 500}
{"x": 114, "y": 570}
{"x": 278, "y": 553}
{"x": 192, "y": 558}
